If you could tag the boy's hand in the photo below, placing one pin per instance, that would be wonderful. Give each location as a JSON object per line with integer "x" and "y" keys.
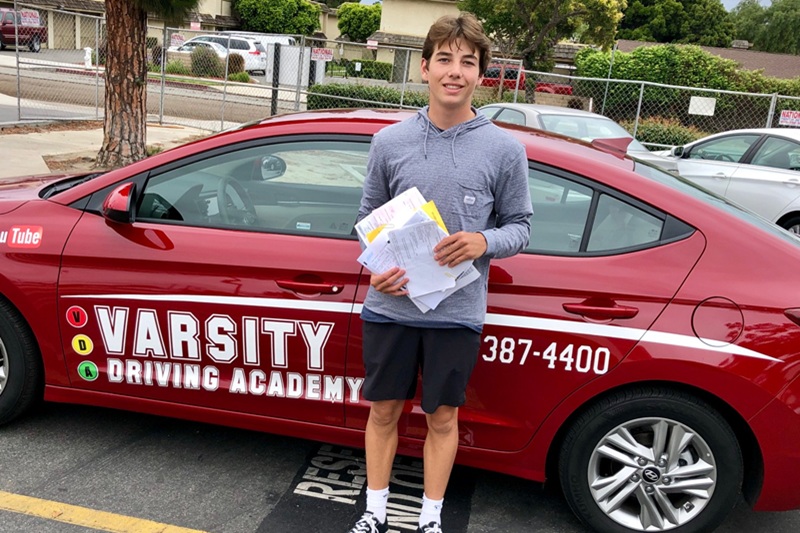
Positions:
{"x": 391, "y": 282}
{"x": 460, "y": 247}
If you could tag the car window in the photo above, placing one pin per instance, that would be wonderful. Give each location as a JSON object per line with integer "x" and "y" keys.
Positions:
{"x": 730, "y": 148}
{"x": 779, "y": 153}
{"x": 563, "y": 209}
{"x": 621, "y": 225}
{"x": 310, "y": 187}
{"x": 512, "y": 116}
{"x": 239, "y": 44}
{"x": 588, "y": 128}
{"x": 488, "y": 111}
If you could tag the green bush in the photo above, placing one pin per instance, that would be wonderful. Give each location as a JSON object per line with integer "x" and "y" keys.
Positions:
{"x": 659, "y": 130}
{"x": 340, "y": 95}
{"x": 235, "y": 64}
{"x": 376, "y": 70}
{"x": 242, "y": 77}
{"x": 177, "y": 67}
{"x": 206, "y": 63}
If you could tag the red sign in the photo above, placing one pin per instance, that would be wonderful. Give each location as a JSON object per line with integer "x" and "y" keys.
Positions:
{"x": 321, "y": 54}
{"x": 789, "y": 118}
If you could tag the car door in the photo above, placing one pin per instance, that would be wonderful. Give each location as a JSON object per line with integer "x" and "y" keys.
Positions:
{"x": 232, "y": 288}
{"x": 599, "y": 269}
{"x": 770, "y": 181}
{"x": 712, "y": 163}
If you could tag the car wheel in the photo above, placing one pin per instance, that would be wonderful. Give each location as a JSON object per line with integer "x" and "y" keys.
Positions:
{"x": 791, "y": 224}
{"x": 20, "y": 365}
{"x": 2, "y": 45}
{"x": 35, "y": 44}
{"x": 651, "y": 460}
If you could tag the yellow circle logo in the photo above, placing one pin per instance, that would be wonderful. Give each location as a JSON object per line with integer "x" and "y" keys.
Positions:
{"x": 82, "y": 344}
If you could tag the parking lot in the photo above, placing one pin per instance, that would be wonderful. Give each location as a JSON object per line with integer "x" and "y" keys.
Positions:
{"x": 208, "y": 478}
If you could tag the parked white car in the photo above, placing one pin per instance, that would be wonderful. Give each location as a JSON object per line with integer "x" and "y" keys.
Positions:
{"x": 254, "y": 53}
{"x": 189, "y": 46}
{"x": 756, "y": 168}
{"x": 573, "y": 123}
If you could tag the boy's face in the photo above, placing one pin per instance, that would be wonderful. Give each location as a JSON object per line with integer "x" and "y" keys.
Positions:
{"x": 452, "y": 75}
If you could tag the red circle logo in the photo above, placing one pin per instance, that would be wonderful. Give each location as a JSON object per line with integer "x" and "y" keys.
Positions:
{"x": 77, "y": 317}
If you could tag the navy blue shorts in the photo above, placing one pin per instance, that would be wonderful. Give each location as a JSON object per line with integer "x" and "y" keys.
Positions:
{"x": 395, "y": 354}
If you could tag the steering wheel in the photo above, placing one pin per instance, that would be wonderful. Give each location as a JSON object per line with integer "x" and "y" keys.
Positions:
{"x": 243, "y": 214}
{"x": 724, "y": 157}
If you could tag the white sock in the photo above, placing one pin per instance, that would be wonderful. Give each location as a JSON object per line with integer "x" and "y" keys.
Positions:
{"x": 431, "y": 511}
{"x": 376, "y": 503}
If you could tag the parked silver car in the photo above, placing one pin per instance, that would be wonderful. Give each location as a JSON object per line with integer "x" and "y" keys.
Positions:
{"x": 254, "y": 53}
{"x": 756, "y": 168}
{"x": 573, "y": 123}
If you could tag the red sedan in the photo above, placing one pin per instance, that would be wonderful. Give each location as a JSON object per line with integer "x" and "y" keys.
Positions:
{"x": 644, "y": 350}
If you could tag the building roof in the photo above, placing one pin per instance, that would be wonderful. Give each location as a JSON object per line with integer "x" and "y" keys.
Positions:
{"x": 784, "y": 66}
{"x": 84, "y": 6}
{"x": 397, "y": 39}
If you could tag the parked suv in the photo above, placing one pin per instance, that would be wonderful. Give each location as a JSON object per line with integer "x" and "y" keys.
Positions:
{"x": 254, "y": 53}
{"x": 491, "y": 77}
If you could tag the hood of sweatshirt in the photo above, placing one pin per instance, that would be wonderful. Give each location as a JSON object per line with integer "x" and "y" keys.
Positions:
{"x": 430, "y": 128}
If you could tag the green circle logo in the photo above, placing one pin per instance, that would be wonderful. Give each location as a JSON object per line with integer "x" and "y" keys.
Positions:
{"x": 88, "y": 371}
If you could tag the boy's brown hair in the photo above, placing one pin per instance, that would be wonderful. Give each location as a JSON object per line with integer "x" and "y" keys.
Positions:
{"x": 465, "y": 27}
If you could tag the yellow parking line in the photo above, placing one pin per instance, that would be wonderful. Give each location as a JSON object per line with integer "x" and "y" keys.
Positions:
{"x": 82, "y": 516}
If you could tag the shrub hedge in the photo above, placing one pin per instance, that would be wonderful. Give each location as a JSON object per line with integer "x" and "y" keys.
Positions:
{"x": 660, "y": 130}
{"x": 206, "y": 63}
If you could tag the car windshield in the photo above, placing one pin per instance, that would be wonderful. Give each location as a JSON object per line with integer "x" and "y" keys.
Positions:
{"x": 694, "y": 190}
{"x": 588, "y": 128}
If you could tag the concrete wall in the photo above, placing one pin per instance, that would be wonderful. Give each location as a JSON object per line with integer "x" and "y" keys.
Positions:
{"x": 414, "y": 17}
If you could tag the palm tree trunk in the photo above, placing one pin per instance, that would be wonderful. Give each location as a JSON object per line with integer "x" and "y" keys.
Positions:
{"x": 124, "y": 126}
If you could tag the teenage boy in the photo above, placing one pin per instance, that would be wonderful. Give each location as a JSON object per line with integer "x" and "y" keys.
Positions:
{"x": 477, "y": 175}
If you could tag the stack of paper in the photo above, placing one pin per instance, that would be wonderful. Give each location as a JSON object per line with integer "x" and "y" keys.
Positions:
{"x": 402, "y": 233}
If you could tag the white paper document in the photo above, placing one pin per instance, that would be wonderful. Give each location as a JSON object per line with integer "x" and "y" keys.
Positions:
{"x": 402, "y": 233}
{"x": 394, "y": 213}
{"x": 413, "y": 246}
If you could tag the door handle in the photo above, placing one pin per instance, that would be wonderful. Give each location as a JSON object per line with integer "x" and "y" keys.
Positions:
{"x": 720, "y": 175}
{"x": 309, "y": 288}
{"x": 601, "y": 312}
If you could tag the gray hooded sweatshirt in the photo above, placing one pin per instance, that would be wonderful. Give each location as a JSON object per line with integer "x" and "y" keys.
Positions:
{"x": 477, "y": 175}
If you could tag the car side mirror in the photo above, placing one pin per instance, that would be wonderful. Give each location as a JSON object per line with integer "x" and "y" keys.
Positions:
{"x": 118, "y": 205}
{"x": 272, "y": 167}
{"x": 677, "y": 151}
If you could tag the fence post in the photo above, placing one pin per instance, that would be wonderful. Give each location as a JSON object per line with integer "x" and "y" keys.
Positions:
{"x": 405, "y": 78}
{"x": 276, "y": 72}
{"x": 97, "y": 70}
{"x": 608, "y": 78}
{"x": 164, "y": 46}
{"x": 299, "y": 73}
{"x": 773, "y": 103}
{"x": 638, "y": 110}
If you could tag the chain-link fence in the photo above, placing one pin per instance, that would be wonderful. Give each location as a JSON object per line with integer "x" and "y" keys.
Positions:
{"x": 212, "y": 80}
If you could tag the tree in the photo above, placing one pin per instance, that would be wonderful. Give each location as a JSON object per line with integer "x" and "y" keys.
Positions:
{"x": 531, "y": 27}
{"x": 703, "y": 22}
{"x": 125, "y": 121}
{"x": 359, "y": 21}
{"x": 749, "y": 19}
{"x": 299, "y": 17}
{"x": 779, "y": 33}
{"x": 336, "y": 3}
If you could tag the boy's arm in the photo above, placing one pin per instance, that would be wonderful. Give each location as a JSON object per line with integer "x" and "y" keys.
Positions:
{"x": 513, "y": 207}
{"x": 376, "y": 183}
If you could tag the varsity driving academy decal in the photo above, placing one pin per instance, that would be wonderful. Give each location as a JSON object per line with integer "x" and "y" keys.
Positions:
{"x": 213, "y": 352}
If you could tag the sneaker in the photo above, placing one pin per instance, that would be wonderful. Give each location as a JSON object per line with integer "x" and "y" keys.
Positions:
{"x": 369, "y": 524}
{"x": 430, "y": 527}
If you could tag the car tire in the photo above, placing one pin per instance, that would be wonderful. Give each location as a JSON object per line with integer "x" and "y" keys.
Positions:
{"x": 627, "y": 463}
{"x": 21, "y": 373}
{"x": 791, "y": 224}
{"x": 2, "y": 45}
{"x": 35, "y": 45}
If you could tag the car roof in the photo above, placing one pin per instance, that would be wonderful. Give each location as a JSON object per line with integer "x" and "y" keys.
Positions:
{"x": 541, "y": 109}
{"x": 791, "y": 133}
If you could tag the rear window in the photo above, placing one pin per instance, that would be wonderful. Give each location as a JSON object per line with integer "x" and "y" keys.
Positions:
{"x": 239, "y": 44}
{"x": 260, "y": 48}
